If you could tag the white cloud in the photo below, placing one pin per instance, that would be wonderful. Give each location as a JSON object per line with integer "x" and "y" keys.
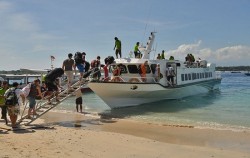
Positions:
{"x": 21, "y": 37}
{"x": 185, "y": 49}
{"x": 227, "y": 56}
{"x": 234, "y": 52}
{"x": 4, "y": 5}
{"x": 21, "y": 22}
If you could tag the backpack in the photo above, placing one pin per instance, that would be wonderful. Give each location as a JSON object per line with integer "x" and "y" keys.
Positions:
{"x": 95, "y": 63}
{"x": 78, "y": 58}
{"x": 33, "y": 90}
{"x": 109, "y": 60}
{"x": 11, "y": 97}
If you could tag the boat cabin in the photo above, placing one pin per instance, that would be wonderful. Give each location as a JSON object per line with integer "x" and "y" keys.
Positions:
{"x": 184, "y": 73}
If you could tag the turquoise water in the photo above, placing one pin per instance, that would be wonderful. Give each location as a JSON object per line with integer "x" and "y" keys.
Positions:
{"x": 227, "y": 108}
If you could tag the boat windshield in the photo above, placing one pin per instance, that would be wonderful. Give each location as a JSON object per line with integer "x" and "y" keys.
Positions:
{"x": 133, "y": 69}
{"x": 122, "y": 67}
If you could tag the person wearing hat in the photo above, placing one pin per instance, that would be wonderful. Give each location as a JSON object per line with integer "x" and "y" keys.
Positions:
{"x": 68, "y": 66}
{"x": 118, "y": 47}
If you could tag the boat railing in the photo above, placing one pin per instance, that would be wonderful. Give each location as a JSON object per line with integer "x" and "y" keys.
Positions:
{"x": 130, "y": 79}
{"x": 93, "y": 74}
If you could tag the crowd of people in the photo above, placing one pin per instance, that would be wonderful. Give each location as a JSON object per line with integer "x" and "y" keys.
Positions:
{"x": 49, "y": 86}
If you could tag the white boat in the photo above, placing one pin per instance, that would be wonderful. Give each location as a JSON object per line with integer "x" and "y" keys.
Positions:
{"x": 190, "y": 79}
{"x": 22, "y": 79}
{"x": 247, "y": 73}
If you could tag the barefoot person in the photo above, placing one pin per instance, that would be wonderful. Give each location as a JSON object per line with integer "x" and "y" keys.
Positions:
{"x": 51, "y": 84}
{"x": 78, "y": 94}
{"x": 35, "y": 91}
{"x": 13, "y": 102}
{"x": 68, "y": 67}
{"x": 118, "y": 48}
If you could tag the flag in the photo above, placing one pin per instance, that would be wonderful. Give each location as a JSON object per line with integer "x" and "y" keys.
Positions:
{"x": 52, "y": 57}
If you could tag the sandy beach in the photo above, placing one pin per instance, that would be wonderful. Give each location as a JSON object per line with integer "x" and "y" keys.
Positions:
{"x": 78, "y": 135}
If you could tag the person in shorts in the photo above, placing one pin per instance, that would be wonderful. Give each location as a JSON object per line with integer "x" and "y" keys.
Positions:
{"x": 68, "y": 66}
{"x": 52, "y": 82}
{"x": 35, "y": 92}
{"x": 78, "y": 94}
{"x": 14, "y": 110}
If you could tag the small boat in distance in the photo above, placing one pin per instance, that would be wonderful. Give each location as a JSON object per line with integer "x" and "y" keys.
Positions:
{"x": 247, "y": 73}
{"x": 131, "y": 89}
{"x": 235, "y": 72}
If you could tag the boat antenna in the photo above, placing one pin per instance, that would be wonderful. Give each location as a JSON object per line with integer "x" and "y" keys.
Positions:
{"x": 154, "y": 49}
{"x": 52, "y": 58}
{"x": 147, "y": 21}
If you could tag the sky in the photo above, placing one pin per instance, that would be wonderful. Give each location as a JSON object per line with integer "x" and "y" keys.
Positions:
{"x": 33, "y": 30}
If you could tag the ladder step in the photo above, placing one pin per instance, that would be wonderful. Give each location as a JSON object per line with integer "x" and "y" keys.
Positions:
{"x": 45, "y": 107}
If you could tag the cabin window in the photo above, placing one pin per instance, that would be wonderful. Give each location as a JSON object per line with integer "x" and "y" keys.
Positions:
{"x": 133, "y": 69}
{"x": 148, "y": 69}
{"x": 186, "y": 77}
{"x": 153, "y": 67}
{"x": 193, "y": 76}
{"x": 182, "y": 77}
{"x": 198, "y": 76}
{"x": 206, "y": 75}
{"x": 122, "y": 67}
{"x": 201, "y": 74}
{"x": 189, "y": 77}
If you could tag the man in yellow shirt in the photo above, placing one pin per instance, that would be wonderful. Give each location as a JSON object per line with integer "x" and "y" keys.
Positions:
{"x": 137, "y": 51}
{"x": 118, "y": 47}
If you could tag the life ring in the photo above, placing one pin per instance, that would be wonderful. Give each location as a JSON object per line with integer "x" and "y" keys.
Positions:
{"x": 134, "y": 80}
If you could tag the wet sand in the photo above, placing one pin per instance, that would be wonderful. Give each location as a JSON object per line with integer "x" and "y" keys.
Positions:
{"x": 78, "y": 135}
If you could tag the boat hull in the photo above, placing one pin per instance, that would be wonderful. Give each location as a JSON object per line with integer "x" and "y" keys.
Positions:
{"x": 117, "y": 95}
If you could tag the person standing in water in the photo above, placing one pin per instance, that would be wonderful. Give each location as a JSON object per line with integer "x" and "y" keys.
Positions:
{"x": 78, "y": 94}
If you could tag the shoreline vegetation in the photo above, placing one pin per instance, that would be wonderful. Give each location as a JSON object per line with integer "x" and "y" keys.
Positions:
{"x": 77, "y": 135}
{"x": 218, "y": 68}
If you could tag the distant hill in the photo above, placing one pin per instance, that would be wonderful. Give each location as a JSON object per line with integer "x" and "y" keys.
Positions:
{"x": 18, "y": 72}
{"x": 218, "y": 68}
{"x": 233, "y": 68}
